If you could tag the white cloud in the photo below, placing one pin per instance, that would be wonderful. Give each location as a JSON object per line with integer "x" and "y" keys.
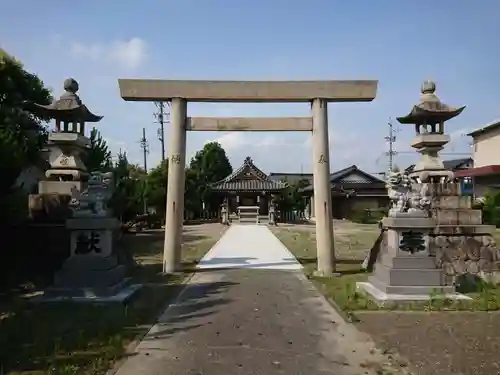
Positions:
{"x": 231, "y": 141}
{"x": 126, "y": 54}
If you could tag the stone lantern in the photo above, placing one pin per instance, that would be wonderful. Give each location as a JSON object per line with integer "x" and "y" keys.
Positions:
{"x": 429, "y": 116}
{"x": 67, "y": 142}
{"x": 95, "y": 270}
{"x": 425, "y": 203}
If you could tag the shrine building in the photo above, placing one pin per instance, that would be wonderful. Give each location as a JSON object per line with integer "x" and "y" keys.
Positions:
{"x": 248, "y": 186}
{"x": 351, "y": 189}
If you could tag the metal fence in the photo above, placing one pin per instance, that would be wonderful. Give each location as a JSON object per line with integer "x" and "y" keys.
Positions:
{"x": 203, "y": 216}
{"x": 292, "y": 217}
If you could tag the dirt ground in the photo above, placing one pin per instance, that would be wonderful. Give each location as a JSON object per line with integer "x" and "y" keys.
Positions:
{"x": 439, "y": 343}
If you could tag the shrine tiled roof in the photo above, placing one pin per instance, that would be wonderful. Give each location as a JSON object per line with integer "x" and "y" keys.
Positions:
{"x": 248, "y": 178}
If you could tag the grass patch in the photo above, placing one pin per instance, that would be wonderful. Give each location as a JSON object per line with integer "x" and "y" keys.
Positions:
{"x": 351, "y": 249}
{"x": 70, "y": 338}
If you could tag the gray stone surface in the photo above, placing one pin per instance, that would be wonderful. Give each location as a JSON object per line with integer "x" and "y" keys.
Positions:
{"x": 247, "y": 91}
{"x": 252, "y": 322}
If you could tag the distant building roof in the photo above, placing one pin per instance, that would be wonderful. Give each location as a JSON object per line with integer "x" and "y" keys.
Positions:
{"x": 291, "y": 178}
{"x": 485, "y": 129}
{"x": 346, "y": 177}
{"x": 248, "y": 178}
{"x": 335, "y": 177}
{"x": 486, "y": 170}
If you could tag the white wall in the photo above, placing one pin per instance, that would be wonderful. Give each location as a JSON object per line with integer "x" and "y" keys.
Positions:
{"x": 486, "y": 149}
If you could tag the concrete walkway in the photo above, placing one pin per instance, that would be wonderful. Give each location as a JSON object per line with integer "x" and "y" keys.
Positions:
{"x": 249, "y": 246}
{"x": 251, "y": 321}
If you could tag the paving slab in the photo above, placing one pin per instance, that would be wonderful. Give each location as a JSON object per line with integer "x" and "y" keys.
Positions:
{"x": 252, "y": 322}
{"x": 249, "y": 246}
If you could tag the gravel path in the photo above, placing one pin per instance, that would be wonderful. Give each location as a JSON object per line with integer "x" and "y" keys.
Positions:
{"x": 252, "y": 322}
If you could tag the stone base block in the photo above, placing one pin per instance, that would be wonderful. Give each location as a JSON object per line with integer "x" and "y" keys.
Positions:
{"x": 382, "y": 298}
{"x": 457, "y": 216}
{"x": 121, "y": 293}
{"x": 87, "y": 290}
{"x": 414, "y": 261}
{"x": 59, "y": 187}
{"x": 71, "y": 277}
{"x": 423, "y": 288}
{"x": 463, "y": 230}
{"x": 408, "y": 276}
{"x": 318, "y": 273}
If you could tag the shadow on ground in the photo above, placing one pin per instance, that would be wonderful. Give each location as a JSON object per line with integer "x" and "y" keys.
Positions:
{"x": 36, "y": 338}
{"x": 196, "y": 301}
{"x": 344, "y": 266}
{"x": 224, "y": 263}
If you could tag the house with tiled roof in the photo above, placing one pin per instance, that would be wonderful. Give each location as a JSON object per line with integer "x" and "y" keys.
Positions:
{"x": 351, "y": 187}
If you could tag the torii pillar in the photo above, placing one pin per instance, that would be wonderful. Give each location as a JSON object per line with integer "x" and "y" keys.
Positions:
{"x": 318, "y": 93}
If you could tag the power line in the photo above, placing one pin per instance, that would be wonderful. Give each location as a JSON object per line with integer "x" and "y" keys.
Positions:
{"x": 162, "y": 117}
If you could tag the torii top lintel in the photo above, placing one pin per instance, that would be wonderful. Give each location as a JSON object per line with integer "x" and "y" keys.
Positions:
{"x": 247, "y": 91}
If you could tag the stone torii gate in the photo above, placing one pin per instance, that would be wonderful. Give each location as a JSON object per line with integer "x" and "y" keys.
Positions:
{"x": 318, "y": 93}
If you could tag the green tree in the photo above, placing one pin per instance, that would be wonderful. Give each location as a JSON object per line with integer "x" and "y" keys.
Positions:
{"x": 491, "y": 208}
{"x": 22, "y": 134}
{"x": 156, "y": 189}
{"x": 291, "y": 198}
{"x": 208, "y": 165}
{"x": 98, "y": 158}
{"x": 127, "y": 199}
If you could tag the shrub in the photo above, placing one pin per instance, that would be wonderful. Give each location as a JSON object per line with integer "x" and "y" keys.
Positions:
{"x": 491, "y": 208}
{"x": 367, "y": 215}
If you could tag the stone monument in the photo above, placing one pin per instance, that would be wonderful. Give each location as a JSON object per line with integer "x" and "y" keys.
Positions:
{"x": 405, "y": 266}
{"x": 94, "y": 270}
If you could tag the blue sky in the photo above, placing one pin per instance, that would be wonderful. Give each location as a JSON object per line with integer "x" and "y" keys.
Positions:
{"x": 400, "y": 43}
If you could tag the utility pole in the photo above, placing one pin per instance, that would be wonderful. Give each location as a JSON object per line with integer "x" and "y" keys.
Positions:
{"x": 145, "y": 151}
{"x": 391, "y": 139}
{"x": 162, "y": 118}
